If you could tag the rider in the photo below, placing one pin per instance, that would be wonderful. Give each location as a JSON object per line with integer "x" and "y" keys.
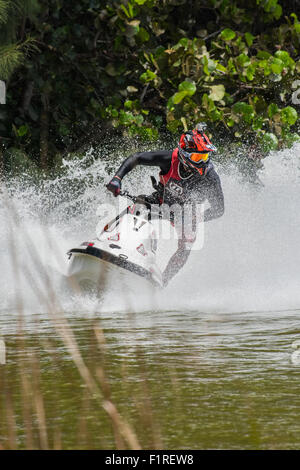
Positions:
{"x": 187, "y": 175}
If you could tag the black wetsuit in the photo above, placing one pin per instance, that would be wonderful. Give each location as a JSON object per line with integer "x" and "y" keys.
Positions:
{"x": 198, "y": 189}
{"x": 195, "y": 189}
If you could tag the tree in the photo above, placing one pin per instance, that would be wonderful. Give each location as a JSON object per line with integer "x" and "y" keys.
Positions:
{"x": 13, "y": 16}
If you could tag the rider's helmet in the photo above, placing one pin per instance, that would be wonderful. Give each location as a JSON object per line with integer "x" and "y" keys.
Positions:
{"x": 194, "y": 149}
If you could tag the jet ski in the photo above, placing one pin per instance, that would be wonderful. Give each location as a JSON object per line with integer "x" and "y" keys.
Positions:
{"x": 124, "y": 246}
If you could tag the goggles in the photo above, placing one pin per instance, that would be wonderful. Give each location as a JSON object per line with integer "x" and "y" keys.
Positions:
{"x": 198, "y": 157}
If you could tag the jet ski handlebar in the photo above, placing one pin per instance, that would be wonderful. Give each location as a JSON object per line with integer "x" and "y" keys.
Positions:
{"x": 137, "y": 199}
{"x": 126, "y": 194}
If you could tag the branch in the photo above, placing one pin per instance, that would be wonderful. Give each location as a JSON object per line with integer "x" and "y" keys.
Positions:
{"x": 212, "y": 34}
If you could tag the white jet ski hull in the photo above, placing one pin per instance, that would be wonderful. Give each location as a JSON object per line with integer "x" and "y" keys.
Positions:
{"x": 125, "y": 246}
{"x": 91, "y": 268}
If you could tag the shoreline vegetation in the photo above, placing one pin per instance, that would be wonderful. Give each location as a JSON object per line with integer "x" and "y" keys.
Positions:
{"x": 143, "y": 69}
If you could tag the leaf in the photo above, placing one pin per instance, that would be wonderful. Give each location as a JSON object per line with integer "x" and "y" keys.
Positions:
{"x": 110, "y": 70}
{"x": 132, "y": 89}
{"x": 169, "y": 51}
{"x": 284, "y": 57}
{"x": 246, "y": 110}
{"x": 249, "y": 38}
{"x": 268, "y": 5}
{"x": 126, "y": 118}
{"x": 278, "y": 12}
{"x": 159, "y": 51}
{"x": 230, "y": 122}
{"x": 227, "y": 34}
{"x": 188, "y": 87}
{"x": 290, "y": 139}
{"x": 135, "y": 23}
{"x": 148, "y": 76}
{"x": 257, "y": 123}
{"x": 143, "y": 35}
{"x": 216, "y": 115}
{"x": 208, "y": 103}
{"x": 263, "y": 55}
{"x": 22, "y": 130}
{"x": 269, "y": 141}
{"x": 184, "y": 42}
{"x": 272, "y": 109}
{"x": 177, "y": 63}
{"x": 217, "y": 92}
{"x": 243, "y": 60}
{"x": 178, "y": 97}
{"x": 251, "y": 72}
{"x": 170, "y": 104}
{"x": 139, "y": 119}
{"x": 275, "y": 77}
{"x": 63, "y": 129}
{"x": 231, "y": 66}
{"x": 132, "y": 29}
{"x": 221, "y": 68}
{"x": 173, "y": 125}
{"x": 242, "y": 108}
{"x": 289, "y": 115}
{"x": 125, "y": 11}
{"x": 277, "y": 66}
{"x": 266, "y": 68}
{"x": 157, "y": 28}
{"x": 209, "y": 65}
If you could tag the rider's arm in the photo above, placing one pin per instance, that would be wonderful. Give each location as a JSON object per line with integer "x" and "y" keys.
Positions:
{"x": 215, "y": 197}
{"x": 160, "y": 158}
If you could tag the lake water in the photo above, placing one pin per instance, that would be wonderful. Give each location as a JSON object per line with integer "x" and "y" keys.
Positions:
{"x": 183, "y": 380}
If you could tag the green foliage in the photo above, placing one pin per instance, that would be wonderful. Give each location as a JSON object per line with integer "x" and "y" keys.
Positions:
{"x": 4, "y": 10}
{"x": 288, "y": 116}
{"x": 13, "y": 56}
{"x": 227, "y": 34}
{"x": 142, "y": 66}
{"x": 12, "y": 53}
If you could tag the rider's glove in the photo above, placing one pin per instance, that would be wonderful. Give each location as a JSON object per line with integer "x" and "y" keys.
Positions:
{"x": 114, "y": 186}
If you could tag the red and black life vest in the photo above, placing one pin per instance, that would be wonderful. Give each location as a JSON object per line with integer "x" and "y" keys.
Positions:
{"x": 175, "y": 186}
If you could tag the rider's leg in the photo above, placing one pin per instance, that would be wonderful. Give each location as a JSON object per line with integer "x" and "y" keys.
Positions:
{"x": 186, "y": 237}
{"x": 176, "y": 262}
